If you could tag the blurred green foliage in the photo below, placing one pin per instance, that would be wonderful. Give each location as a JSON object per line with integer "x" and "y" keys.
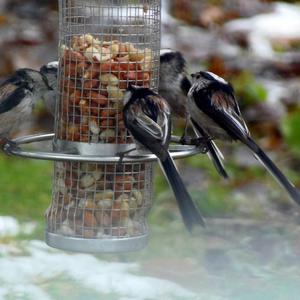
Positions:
{"x": 25, "y": 187}
{"x": 290, "y": 126}
{"x": 214, "y": 201}
{"x": 248, "y": 89}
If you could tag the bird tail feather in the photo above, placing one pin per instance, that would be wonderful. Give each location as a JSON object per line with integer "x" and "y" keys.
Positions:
{"x": 216, "y": 157}
{"x": 273, "y": 170}
{"x": 214, "y": 153}
{"x": 188, "y": 210}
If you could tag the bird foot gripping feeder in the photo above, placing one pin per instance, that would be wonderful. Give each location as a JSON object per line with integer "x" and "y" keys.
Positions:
{"x": 98, "y": 203}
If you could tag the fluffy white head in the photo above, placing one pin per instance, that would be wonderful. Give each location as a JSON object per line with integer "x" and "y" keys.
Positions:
{"x": 53, "y": 64}
{"x": 165, "y": 51}
{"x": 216, "y": 77}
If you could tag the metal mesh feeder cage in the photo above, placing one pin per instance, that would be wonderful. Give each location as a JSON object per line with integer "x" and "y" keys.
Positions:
{"x": 104, "y": 46}
{"x": 106, "y": 204}
{"x": 99, "y": 204}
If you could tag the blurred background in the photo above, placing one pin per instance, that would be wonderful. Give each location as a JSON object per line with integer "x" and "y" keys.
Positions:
{"x": 251, "y": 246}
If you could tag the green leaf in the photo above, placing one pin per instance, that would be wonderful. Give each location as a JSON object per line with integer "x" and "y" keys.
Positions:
{"x": 215, "y": 201}
{"x": 291, "y": 131}
{"x": 248, "y": 89}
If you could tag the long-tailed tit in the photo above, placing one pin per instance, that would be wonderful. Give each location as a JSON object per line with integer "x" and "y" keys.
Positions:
{"x": 173, "y": 82}
{"x": 148, "y": 118}
{"x": 18, "y": 94}
{"x": 215, "y": 111}
{"x": 50, "y": 72}
{"x": 173, "y": 87}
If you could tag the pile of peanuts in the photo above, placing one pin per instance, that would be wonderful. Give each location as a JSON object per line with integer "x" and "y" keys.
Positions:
{"x": 94, "y": 77}
{"x": 100, "y": 200}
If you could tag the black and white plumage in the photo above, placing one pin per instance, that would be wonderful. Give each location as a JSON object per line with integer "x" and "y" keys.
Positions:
{"x": 49, "y": 98}
{"x": 215, "y": 110}
{"x": 18, "y": 94}
{"x": 148, "y": 118}
{"x": 173, "y": 81}
{"x": 173, "y": 87}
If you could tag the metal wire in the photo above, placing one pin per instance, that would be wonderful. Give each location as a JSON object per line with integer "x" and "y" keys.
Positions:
{"x": 176, "y": 151}
{"x": 104, "y": 46}
{"x": 100, "y": 200}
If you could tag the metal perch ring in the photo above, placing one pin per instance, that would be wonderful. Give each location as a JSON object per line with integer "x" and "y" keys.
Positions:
{"x": 177, "y": 152}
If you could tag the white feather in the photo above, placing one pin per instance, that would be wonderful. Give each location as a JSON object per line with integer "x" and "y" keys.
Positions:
{"x": 215, "y": 76}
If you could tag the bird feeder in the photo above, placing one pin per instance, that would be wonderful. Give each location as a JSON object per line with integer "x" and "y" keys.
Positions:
{"x": 100, "y": 204}
{"x": 104, "y": 46}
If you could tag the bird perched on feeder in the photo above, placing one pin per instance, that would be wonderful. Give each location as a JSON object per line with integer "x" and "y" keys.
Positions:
{"x": 50, "y": 72}
{"x": 215, "y": 112}
{"x": 174, "y": 86}
{"x": 173, "y": 82}
{"x": 148, "y": 118}
{"x": 18, "y": 94}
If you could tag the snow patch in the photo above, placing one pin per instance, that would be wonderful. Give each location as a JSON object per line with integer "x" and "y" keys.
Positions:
{"x": 282, "y": 23}
{"x": 10, "y": 227}
{"x": 25, "y": 275}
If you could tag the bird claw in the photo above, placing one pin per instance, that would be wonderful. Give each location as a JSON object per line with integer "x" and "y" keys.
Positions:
{"x": 122, "y": 155}
{"x": 5, "y": 143}
{"x": 185, "y": 140}
{"x": 200, "y": 142}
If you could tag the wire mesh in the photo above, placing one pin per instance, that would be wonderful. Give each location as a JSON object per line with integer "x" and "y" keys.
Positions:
{"x": 104, "y": 46}
{"x": 100, "y": 200}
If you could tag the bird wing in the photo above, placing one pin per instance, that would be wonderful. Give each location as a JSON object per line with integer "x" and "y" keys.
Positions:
{"x": 227, "y": 114}
{"x": 149, "y": 125}
{"x": 11, "y": 95}
{"x": 222, "y": 108}
{"x": 163, "y": 118}
{"x": 228, "y": 102}
{"x": 7, "y": 89}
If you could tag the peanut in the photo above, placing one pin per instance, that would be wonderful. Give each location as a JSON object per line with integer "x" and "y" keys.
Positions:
{"x": 75, "y": 97}
{"x": 73, "y": 56}
{"x": 114, "y": 93}
{"x": 90, "y": 84}
{"x": 108, "y": 135}
{"x": 94, "y": 127}
{"x": 89, "y": 219}
{"x": 109, "y": 79}
{"x": 98, "y": 98}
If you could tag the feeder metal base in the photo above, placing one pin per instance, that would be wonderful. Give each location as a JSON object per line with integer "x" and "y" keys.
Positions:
{"x": 96, "y": 245}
